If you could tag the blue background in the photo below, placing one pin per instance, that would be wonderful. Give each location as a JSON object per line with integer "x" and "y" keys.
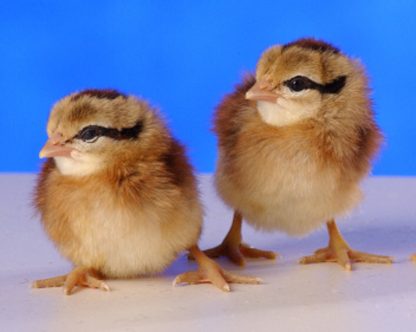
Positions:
{"x": 183, "y": 56}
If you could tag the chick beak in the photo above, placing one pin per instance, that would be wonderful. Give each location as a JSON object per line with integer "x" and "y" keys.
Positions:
{"x": 55, "y": 147}
{"x": 261, "y": 91}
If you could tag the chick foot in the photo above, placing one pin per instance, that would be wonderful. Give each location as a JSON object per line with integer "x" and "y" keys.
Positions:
{"x": 339, "y": 251}
{"x": 80, "y": 276}
{"x": 210, "y": 272}
{"x": 232, "y": 247}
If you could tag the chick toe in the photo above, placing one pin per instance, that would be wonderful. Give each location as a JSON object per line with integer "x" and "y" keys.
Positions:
{"x": 251, "y": 252}
{"x": 83, "y": 277}
{"x": 58, "y": 281}
{"x": 230, "y": 250}
{"x": 210, "y": 272}
{"x": 233, "y": 248}
{"x": 340, "y": 252}
{"x": 359, "y": 256}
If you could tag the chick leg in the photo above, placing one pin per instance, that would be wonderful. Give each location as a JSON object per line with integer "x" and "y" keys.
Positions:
{"x": 339, "y": 251}
{"x": 80, "y": 276}
{"x": 210, "y": 272}
{"x": 233, "y": 248}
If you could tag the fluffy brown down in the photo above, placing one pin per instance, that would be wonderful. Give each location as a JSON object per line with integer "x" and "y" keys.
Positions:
{"x": 138, "y": 209}
{"x": 332, "y": 149}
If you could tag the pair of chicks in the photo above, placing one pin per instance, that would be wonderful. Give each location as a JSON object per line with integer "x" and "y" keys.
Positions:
{"x": 119, "y": 198}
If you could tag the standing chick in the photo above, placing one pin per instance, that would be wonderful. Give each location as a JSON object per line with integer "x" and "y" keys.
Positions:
{"x": 294, "y": 143}
{"x": 117, "y": 195}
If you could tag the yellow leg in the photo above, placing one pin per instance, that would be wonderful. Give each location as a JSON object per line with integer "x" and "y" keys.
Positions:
{"x": 210, "y": 272}
{"x": 233, "y": 248}
{"x": 339, "y": 251}
{"x": 80, "y": 276}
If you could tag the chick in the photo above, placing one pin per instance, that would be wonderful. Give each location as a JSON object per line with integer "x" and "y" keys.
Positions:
{"x": 294, "y": 143}
{"x": 117, "y": 195}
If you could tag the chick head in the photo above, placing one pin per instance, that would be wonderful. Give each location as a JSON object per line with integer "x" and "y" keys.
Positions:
{"x": 92, "y": 129}
{"x": 306, "y": 79}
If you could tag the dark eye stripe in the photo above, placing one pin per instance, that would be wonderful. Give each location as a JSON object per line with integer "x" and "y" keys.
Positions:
{"x": 93, "y": 132}
{"x": 332, "y": 87}
{"x": 335, "y": 86}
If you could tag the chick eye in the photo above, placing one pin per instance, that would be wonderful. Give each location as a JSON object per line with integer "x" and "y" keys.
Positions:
{"x": 298, "y": 83}
{"x": 89, "y": 134}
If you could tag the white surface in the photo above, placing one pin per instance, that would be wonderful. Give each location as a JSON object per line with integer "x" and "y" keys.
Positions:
{"x": 293, "y": 297}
